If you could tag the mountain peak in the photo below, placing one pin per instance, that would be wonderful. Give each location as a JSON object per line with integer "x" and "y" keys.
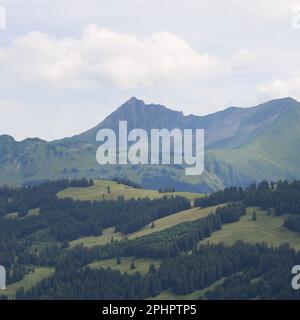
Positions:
{"x": 285, "y": 101}
{"x": 33, "y": 140}
{"x": 133, "y": 101}
{"x": 242, "y": 145}
{"x": 288, "y": 99}
{"x": 7, "y": 138}
{"x": 290, "y": 102}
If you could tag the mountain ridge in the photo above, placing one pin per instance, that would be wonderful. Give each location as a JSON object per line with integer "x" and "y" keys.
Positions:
{"x": 240, "y": 148}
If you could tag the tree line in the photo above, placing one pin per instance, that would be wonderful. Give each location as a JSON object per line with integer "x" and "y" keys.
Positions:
{"x": 252, "y": 271}
{"x": 282, "y": 196}
{"x": 21, "y": 200}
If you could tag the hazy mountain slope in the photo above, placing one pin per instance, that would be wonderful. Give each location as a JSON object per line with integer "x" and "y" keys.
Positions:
{"x": 272, "y": 150}
{"x": 242, "y": 145}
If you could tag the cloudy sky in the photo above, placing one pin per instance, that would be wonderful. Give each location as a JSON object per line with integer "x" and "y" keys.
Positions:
{"x": 66, "y": 64}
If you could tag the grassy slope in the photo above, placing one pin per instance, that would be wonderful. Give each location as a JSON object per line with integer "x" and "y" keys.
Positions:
{"x": 29, "y": 281}
{"x": 168, "y": 295}
{"x": 268, "y": 155}
{"x": 32, "y": 212}
{"x": 142, "y": 265}
{"x": 99, "y": 191}
{"x": 160, "y": 224}
{"x": 266, "y": 229}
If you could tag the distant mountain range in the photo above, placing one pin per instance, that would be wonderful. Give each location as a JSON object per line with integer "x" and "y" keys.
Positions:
{"x": 243, "y": 145}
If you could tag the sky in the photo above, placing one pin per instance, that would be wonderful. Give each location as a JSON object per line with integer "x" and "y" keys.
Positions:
{"x": 66, "y": 65}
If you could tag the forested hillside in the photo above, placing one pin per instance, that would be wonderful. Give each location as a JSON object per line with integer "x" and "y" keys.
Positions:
{"x": 37, "y": 228}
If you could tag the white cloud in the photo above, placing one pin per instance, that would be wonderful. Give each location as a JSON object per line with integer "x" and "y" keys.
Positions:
{"x": 215, "y": 53}
{"x": 103, "y": 57}
{"x": 281, "y": 88}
